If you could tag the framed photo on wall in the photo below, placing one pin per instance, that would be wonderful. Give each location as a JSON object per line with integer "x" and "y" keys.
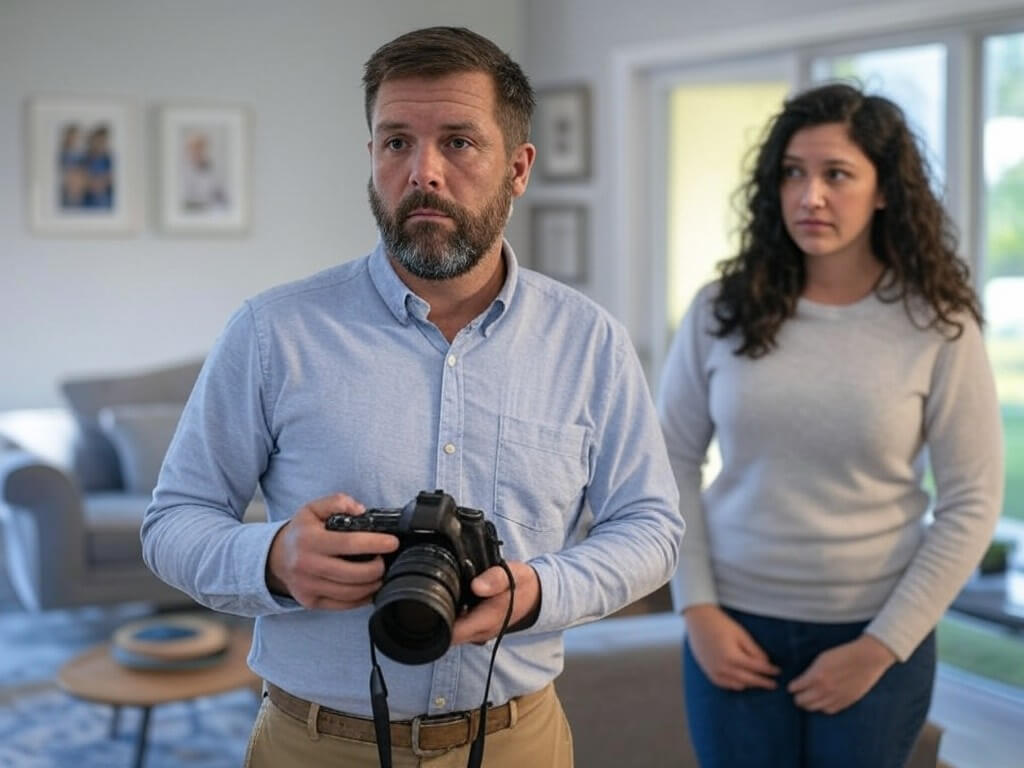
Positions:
{"x": 559, "y": 241}
{"x": 562, "y": 133}
{"x": 204, "y": 170}
{"x": 83, "y": 167}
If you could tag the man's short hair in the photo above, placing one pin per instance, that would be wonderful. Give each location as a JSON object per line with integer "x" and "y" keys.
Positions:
{"x": 440, "y": 51}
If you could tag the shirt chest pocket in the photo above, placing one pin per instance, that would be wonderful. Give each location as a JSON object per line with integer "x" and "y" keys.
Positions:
{"x": 542, "y": 473}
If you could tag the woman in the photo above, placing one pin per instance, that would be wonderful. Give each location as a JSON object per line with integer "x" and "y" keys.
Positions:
{"x": 837, "y": 351}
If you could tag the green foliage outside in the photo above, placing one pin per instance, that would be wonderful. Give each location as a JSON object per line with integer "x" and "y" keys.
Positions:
{"x": 1004, "y": 223}
{"x": 1013, "y": 426}
{"x": 990, "y": 653}
{"x": 1004, "y": 234}
{"x": 1005, "y": 60}
{"x": 1007, "y": 356}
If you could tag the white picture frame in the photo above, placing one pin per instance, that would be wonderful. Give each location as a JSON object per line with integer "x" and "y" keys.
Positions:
{"x": 204, "y": 169}
{"x": 562, "y": 133}
{"x": 83, "y": 167}
{"x": 559, "y": 234}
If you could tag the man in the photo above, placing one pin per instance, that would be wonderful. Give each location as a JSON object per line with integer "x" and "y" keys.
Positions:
{"x": 433, "y": 362}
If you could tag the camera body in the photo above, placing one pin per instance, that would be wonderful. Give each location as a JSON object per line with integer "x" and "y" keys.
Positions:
{"x": 442, "y": 548}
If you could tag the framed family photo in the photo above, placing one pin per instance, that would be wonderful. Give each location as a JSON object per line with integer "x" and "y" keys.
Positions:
{"x": 204, "y": 170}
{"x": 562, "y": 133}
{"x": 83, "y": 169}
{"x": 559, "y": 241}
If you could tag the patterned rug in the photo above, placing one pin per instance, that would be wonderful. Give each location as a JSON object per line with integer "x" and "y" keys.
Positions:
{"x": 42, "y": 727}
{"x": 46, "y": 728}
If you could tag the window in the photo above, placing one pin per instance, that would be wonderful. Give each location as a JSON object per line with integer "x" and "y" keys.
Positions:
{"x": 713, "y": 128}
{"x": 1002, "y": 221}
{"x": 913, "y": 77}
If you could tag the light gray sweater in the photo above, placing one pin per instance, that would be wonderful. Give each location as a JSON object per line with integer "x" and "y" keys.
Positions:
{"x": 818, "y": 513}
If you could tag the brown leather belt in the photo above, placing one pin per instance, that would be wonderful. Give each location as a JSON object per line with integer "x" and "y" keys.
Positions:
{"x": 424, "y": 735}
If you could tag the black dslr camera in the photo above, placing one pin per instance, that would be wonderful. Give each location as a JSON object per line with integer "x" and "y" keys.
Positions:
{"x": 442, "y": 547}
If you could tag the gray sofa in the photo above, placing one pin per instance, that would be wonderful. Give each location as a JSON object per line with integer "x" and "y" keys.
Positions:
{"x": 622, "y": 692}
{"x": 75, "y": 482}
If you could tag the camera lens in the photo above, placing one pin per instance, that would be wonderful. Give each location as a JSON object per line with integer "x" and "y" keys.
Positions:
{"x": 415, "y": 609}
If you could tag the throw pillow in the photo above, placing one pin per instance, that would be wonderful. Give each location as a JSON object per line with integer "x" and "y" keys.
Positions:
{"x": 141, "y": 435}
{"x": 46, "y": 432}
{"x": 96, "y": 462}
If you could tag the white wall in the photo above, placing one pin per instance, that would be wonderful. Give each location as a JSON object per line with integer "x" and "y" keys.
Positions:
{"x": 98, "y": 305}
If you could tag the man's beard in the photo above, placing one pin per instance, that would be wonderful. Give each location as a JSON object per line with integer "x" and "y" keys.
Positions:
{"x": 428, "y": 249}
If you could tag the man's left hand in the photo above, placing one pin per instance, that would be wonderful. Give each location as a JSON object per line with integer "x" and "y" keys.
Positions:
{"x": 842, "y": 675}
{"x": 484, "y": 621}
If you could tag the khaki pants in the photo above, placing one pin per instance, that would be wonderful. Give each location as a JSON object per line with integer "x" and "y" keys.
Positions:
{"x": 540, "y": 738}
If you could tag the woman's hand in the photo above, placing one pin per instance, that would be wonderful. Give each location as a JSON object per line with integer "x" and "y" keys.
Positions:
{"x": 726, "y": 651}
{"x": 842, "y": 675}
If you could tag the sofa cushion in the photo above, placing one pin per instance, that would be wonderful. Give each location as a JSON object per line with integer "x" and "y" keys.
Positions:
{"x": 112, "y": 522}
{"x": 96, "y": 462}
{"x": 141, "y": 435}
{"x": 622, "y": 692}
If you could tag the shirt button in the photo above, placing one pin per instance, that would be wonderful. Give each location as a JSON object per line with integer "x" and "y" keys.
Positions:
{"x": 439, "y": 702}
{"x": 451, "y": 361}
{"x": 449, "y": 448}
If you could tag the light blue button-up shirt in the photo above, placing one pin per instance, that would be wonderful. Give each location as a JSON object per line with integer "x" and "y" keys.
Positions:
{"x": 536, "y": 413}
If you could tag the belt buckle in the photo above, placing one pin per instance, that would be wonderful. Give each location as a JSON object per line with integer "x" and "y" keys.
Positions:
{"x": 421, "y": 720}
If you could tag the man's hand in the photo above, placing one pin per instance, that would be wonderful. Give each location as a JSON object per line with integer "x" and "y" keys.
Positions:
{"x": 306, "y": 560}
{"x": 840, "y": 676}
{"x": 484, "y": 621}
{"x": 725, "y": 651}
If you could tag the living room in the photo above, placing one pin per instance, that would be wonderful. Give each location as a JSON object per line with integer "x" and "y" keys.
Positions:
{"x": 145, "y": 287}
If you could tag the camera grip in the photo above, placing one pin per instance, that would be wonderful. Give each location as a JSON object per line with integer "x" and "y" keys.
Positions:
{"x": 348, "y": 523}
{"x": 345, "y": 523}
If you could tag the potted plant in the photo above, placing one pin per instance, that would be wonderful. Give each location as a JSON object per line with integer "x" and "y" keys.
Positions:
{"x": 997, "y": 557}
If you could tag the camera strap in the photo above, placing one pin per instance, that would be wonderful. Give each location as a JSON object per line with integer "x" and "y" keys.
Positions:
{"x": 379, "y": 693}
{"x": 381, "y": 715}
{"x": 476, "y": 752}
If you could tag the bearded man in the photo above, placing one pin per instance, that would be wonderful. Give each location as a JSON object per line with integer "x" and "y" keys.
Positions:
{"x": 434, "y": 362}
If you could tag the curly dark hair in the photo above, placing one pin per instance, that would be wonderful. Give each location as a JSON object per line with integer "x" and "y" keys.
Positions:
{"x": 912, "y": 236}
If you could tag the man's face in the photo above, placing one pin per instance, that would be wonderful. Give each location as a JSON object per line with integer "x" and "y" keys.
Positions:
{"x": 442, "y": 183}
{"x": 415, "y": 236}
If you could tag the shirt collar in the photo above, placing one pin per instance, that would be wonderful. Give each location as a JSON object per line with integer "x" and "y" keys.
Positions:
{"x": 404, "y": 303}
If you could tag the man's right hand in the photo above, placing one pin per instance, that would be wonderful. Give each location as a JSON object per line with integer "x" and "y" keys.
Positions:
{"x": 307, "y": 561}
{"x": 726, "y": 651}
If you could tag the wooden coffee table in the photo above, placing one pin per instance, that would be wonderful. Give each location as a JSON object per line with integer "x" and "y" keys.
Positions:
{"x": 95, "y": 676}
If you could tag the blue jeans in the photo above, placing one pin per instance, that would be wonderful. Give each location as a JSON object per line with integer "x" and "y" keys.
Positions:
{"x": 758, "y": 728}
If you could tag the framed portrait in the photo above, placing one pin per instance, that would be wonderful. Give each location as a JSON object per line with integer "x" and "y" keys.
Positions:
{"x": 83, "y": 167}
{"x": 562, "y": 133}
{"x": 559, "y": 241}
{"x": 204, "y": 170}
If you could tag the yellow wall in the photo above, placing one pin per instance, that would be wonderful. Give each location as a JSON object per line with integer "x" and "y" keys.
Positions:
{"x": 711, "y": 128}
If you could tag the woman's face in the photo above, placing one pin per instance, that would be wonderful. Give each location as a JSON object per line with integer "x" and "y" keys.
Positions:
{"x": 829, "y": 194}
